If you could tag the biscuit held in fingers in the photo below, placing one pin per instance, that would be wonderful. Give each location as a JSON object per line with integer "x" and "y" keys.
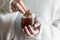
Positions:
{"x": 27, "y": 13}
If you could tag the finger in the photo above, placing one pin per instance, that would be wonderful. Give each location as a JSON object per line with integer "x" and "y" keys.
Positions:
{"x": 27, "y": 31}
{"x": 37, "y": 25}
{"x": 31, "y": 29}
{"x": 36, "y": 32}
{"x": 19, "y": 7}
{"x": 13, "y": 7}
{"x": 22, "y": 4}
{"x": 33, "y": 32}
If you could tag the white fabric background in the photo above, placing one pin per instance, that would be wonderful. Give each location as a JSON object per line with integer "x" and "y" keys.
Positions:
{"x": 48, "y": 11}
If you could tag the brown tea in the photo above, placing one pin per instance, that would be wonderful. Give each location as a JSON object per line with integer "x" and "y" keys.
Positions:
{"x": 27, "y": 21}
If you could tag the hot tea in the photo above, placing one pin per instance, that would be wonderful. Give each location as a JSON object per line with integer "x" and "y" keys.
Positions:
{"x": 27, "y": 21}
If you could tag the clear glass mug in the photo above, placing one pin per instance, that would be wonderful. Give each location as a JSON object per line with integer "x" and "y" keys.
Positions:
{"x": 30, "y": 20}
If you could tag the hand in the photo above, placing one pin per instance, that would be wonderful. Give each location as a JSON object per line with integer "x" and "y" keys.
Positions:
{"x": 30, "y": 31}
{"x": 18, "y": 5}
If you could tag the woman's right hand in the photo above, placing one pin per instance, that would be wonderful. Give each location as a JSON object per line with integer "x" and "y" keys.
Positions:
{"x": 18, "y": 5}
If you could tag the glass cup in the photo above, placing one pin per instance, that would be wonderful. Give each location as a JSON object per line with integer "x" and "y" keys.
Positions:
{"x": 26, "y": 21}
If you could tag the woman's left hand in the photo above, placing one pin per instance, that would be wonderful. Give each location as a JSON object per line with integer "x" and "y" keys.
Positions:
{"x": 31, "y": 31}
